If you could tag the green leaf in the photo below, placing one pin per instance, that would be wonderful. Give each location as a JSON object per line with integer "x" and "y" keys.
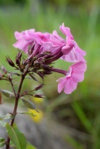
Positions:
{"x": 6, "y": 117}
{"x": 2, "y": 142}
{"x": 16, "y": 137}
{"x": 7, "y": 93}
{"x": 29, "y": 103}
{"x": 29, "y": 146}
{"x": 12, "y": 144}
{"x": 28, "y": 113}
{"x": 74, "y": 143}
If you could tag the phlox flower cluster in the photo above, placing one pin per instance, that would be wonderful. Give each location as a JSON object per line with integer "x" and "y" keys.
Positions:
{"x": 51, "y": 47}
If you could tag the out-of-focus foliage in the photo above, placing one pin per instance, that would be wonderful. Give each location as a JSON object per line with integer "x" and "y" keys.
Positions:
{"x": 10, "y": 2}
{"x": 80, "y": 110}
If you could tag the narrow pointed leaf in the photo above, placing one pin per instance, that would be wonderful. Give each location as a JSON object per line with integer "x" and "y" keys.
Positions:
{"x": 7, "y": 93}
{"x": 29, "y": 146}
{"x": 29, "y": 103}
{"x": 16, "y": 137}
{"x": 28, "y": 113}
{"x": 6, "y": 117}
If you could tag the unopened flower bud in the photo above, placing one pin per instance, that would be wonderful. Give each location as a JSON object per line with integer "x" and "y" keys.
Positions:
{"x": 19, "y": 55}
{"x": 41, "y": 74}
{"x": 10, "y": 62}
{"x": 17, "y": 62}
{"x": 46, "y": 72}
{"x": 3, "y": 69}
{"x": 46, "y": 67}
{"x": 18, "y": 58}
{"x": 38, "y": 96}
{"x": 30, "y": 49}
{"x": 38, "y": 87}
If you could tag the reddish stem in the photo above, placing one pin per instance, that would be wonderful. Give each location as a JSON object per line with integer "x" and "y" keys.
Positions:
{"x": 15, "y": 109}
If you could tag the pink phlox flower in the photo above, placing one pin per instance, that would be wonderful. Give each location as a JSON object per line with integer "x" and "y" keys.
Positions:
{"x": 24, "y": 39}
{"x": 53, "y": 44}
{"x": 73, "y": 76}
{"x": 26, "y": 35}
{"x": 56, "y": 39}
{"x": 41, "y": 37}
{"x": 68, "y": 49}
{"x": 65, "y": 46}
{"x": 75, "y": 54}
{"x": 47, "y": 42}
{"x": 50, "y": 47}
{"x": 56, "y": 44}
{"x": 28, "y": 38}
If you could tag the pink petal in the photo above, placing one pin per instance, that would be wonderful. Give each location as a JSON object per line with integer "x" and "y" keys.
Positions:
{"x": 73, "y": 56}
{"x": 67, "y": 49}
{"x": 31, "y": 32}
{"x": 70, "y": 85}
{"x": 76, "y": 54}
{"x": 41, "y": 37}
{"x": 79, "y": 67}
{"x": 20, "y": 44}
{"x": 55, "y": 34}
{"x": 78, "y": 70}
{"x": 66, "y": 31}
{"x": 61, "y": 84}
{"x": 82, "y": 52}
{"x": 27, "y": 35}
{"x": 78, "y": 77}
{"x": 18, "y": 35}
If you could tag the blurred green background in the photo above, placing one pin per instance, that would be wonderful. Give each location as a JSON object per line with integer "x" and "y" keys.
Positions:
{"x": 80, "y": 110}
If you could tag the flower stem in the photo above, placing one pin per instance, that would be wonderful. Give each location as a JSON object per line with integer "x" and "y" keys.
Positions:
{"x": 59, "y": 71}
{"x": 15, "y": 109}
